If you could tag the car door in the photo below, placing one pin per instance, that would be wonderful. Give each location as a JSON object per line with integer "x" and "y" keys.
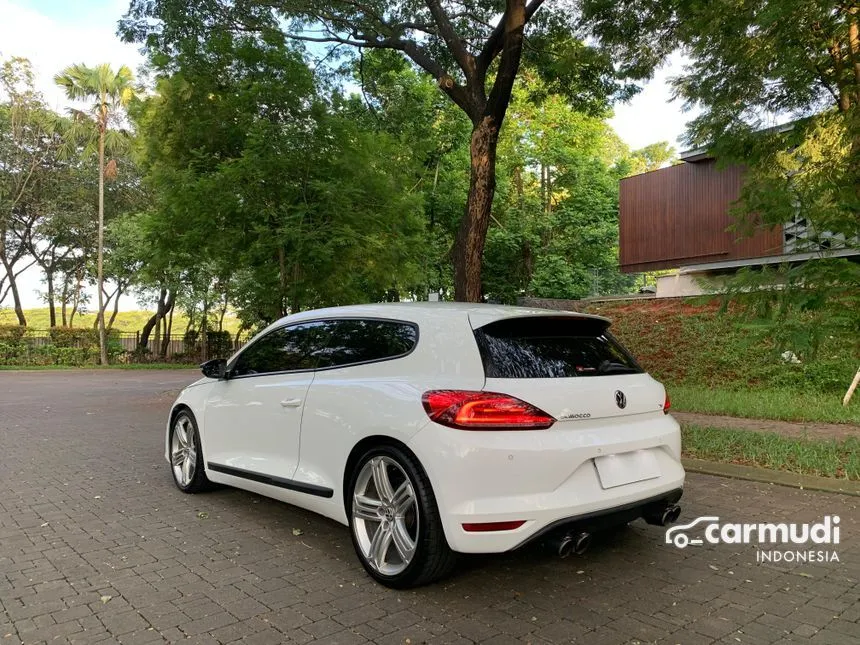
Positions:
{"x": 356, "y": 392}
{"x": 253, "y": 418}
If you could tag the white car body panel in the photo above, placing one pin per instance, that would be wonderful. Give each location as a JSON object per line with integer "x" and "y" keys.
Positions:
{"x": 268, "y": 412}
{"x": 539, "y": 476}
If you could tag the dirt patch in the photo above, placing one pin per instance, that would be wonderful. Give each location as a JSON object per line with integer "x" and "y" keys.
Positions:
{"x": 838, "y": 431}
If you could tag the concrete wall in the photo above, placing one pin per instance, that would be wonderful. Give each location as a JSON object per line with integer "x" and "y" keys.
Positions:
{"x": 678, "y": 284}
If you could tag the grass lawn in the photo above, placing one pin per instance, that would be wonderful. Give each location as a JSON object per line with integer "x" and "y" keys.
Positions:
{"x": 118, "y": 366}
{"x": 127, "y": 321}
{"x": 782, "y": 405}
{"x": 839, "y": 459}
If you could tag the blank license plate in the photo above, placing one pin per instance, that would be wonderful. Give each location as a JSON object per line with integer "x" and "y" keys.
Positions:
{"x": 626, "y": 468}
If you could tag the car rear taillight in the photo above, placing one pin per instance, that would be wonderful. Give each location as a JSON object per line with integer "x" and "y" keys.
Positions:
{"x": 667, "y": 404}
{"x": 469, "y": 410}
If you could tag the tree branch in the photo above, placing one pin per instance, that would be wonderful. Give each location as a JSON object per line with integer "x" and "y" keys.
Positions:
{"x": 515, "y": 19}
{"x": 419, "y": 56}
{"x": 464, "y": 59}
{"x": 496, "y": 40}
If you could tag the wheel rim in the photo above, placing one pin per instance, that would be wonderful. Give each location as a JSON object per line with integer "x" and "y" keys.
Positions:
{"x": 385, "y": 516}
{"x": 183, "y": 452}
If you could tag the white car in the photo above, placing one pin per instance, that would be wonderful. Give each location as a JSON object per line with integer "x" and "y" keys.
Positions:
{"x": 432, "y": 429}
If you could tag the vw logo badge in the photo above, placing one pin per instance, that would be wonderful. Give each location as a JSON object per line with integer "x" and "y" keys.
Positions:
{"x": 620, "y": 399}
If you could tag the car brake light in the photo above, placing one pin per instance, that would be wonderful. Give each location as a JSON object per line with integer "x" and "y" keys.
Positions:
{"x": 469, "y": 410}
{"x": 667, "y": 404}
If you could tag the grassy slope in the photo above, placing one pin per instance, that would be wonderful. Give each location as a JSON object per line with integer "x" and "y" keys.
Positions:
{"x": 768, "y": 450}
{"x": 711, "y": 363}
{"x": 765, "y": 403}
{"x": 130, "y": 321}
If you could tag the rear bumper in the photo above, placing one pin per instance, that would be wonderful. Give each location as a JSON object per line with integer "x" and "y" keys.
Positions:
{"x": 545, "y": 478}
{"x": 601, "y": 520}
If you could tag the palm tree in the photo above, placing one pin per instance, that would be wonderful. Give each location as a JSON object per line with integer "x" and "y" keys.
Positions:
{"x": 111, "y": 93}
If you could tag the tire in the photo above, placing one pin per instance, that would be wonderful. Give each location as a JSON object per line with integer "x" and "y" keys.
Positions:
{"x": 186, "y": 454}
{"x": 385, "y": 522}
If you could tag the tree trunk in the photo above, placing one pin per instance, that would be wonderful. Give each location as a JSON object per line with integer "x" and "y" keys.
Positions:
{"x": 13, "y": 281}
{"x": 115, "y": 306}
{"x": 64, "y": 297}
{"x": 190, "y": 324}
{"x": 100, "y": 277}
{"x": 204, "y": 329}
{"x": 543, "y": 187}
{"x": 165, "y": 342}
{"x": 223, "y": 312}
{"x": 469, "y": 247}
{"x": 52, "y": 309}
{"x": 76, "y": 298}
{"x": 156, "y": 342}
{"x": 16, "y": 298}
{"x": 156, "y": 317}
{"x": 282, "y": 275}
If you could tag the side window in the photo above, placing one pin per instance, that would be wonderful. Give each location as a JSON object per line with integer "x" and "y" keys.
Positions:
{"x": 297, "y": 347}
{"x": 359, "y": 341}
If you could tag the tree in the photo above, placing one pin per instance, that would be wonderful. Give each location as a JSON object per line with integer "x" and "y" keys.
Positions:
{"x": 264, "y": 186}
{"x": 555, "y": 223}
{"x": 652, "y": 157}
{"x": 472, "y": 51}
{"x": 28, "y": 147}
{"x": 111, "y": 92}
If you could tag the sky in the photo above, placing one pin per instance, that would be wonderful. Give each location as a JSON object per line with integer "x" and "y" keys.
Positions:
{"x": 57, "y": 33}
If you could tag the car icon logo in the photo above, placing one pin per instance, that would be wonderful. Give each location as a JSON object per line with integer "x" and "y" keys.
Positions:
{"x": 620, "y": 399}
{"x": 676, "y": 535}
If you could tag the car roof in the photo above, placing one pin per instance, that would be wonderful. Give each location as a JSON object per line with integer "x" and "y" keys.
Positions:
{"x": 480, "y": 314}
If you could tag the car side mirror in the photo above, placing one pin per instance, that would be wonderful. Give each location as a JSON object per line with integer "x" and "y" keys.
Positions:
{"x": 216, "y": 368}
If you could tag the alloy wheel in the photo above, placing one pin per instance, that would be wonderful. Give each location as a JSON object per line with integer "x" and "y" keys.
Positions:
{"x": 183, "y": 451}
{"x": 385, "y": 515}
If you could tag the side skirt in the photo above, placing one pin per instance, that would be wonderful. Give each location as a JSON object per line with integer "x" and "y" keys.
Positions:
{"x": 271, "y": 480}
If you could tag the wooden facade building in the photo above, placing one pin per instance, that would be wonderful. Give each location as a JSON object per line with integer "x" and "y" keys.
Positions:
{"x": 679, "y": 216}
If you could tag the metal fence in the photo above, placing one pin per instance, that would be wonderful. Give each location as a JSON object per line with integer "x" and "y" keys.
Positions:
{"x": 179, "y": 346}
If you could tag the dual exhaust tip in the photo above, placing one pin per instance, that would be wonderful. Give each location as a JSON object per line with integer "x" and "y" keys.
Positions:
{"x": 578, "y": 543}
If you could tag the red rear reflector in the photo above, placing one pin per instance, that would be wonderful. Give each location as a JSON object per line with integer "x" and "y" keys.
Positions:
{"x": 469, "y": 410}
{"x": 493, "y": 526}
{"x": 667, "y": 404}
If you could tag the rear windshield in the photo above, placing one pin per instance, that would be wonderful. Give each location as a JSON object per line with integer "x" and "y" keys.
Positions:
{"x": 551, "y": 347}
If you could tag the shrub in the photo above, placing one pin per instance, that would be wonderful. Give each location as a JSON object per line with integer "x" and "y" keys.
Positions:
{"x": 12, "y": 333}
{"x": 74, "y": 337}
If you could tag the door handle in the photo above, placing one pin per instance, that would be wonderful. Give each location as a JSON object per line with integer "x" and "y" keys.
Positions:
{"x": 291, "y": 403}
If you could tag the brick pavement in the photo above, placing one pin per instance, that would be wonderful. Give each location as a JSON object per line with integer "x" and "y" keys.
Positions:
{"x": 97, "y": 545}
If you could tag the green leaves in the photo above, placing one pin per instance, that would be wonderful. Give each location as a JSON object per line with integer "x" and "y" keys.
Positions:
{"x": 262, "y": 178}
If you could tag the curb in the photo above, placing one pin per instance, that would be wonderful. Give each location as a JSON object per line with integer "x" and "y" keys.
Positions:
{"x": 764, "y": 475}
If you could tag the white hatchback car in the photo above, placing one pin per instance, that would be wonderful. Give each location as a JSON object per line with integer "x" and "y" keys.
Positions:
{"x": 436, "y": 428}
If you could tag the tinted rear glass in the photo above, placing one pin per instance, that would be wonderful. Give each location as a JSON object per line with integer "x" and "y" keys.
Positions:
{"x": 551, "y": 347}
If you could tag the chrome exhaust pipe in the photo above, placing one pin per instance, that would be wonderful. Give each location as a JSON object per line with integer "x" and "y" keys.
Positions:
{"x": 577, "y": 543}
{"x": 581, "y": 543}
{"x": 673, "y": 511}
{"x": 663, "y": 516}
{"x": 565, "y": 546}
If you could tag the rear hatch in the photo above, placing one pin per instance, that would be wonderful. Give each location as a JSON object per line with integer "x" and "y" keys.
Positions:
{"x": 569, "y": 366}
